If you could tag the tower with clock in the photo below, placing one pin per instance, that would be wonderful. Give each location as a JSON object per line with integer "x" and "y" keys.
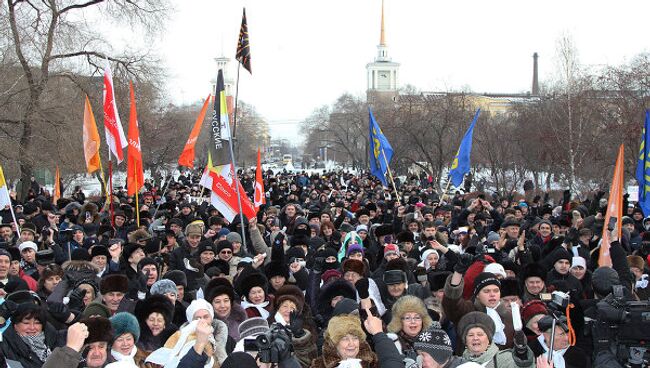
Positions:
{"x": 382, "y": 74}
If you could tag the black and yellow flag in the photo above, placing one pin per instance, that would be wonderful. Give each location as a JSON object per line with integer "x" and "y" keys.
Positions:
{"x": 243, "y": 48}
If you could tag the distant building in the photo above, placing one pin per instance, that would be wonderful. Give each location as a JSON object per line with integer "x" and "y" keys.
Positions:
{"x": 382, "y": 84}
{"x": 383, "y": 73}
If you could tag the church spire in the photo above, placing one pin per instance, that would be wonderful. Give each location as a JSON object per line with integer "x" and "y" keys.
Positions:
{"x": 382, "y": 38}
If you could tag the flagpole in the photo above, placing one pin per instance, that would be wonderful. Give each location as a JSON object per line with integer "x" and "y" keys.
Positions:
{"x": 390, "y": 174}
{"x": 11, "y": 207}
{"x": 164, "y": 191}
{"x": 101, "y": 172}
{"x": 110, "y": 189}
{"x": 444, "y": 194}
{"x": 232, "y": 160}
{"x": 137, "y": 201}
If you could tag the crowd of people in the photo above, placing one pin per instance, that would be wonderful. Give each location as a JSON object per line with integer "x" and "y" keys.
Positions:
{"x": 334, "y": 271}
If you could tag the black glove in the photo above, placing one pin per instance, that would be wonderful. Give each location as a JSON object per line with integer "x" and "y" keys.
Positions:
{"x": 76, "y": 302}
{"x": 318, "y": 264}
{"x": 6, "y": 310}
{"x": 464, "y": 261}
{"x": 521, "y": 348}
{"x": 295, "y": 325}
{"x": 59, "y": 311}
{"x": 279, "y": 240}
{"x": 142, "y": 282}
{"x": 362, "y": 288}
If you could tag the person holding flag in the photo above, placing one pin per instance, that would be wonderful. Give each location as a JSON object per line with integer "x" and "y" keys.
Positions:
{"x": 643, "y": 167}
{"x": 380, "y": 153}
{"x": 461, "y": 164}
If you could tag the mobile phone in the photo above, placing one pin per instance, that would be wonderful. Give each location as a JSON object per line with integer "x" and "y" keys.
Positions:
{"x": 612, "y": 223}
{"x": 88, "y": 216}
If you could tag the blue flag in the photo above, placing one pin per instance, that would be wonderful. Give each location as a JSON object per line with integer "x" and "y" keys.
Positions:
{"x": 380, "y": 151}
{"x": 643, "y": 167}
{"x": 460, "y": 165}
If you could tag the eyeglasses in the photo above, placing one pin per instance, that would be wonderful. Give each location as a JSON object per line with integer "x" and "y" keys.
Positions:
{"x": 412, "y": 319}
{"x": 225, "y": 252}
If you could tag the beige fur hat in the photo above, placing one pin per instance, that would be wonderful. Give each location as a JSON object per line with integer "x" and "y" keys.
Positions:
{"x": 342, "y": 325}
{"x": 408, "y": 304}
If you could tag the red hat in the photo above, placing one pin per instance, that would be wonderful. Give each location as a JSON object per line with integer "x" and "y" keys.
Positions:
{"x": 390, "y": 248}
{"x": 531, "y": 309}
{"x": 330, "y": 274}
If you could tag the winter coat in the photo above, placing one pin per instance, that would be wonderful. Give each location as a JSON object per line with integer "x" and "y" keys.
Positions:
{"x": 493, "y": 358}
{"x": 387, "y": 354}
{"x": 218, "y": 350}
{"x": 330, "y": 357}
{"x": 455, "y": 308}
{"x": 237, "y": 315}
{"x": 14, "y": 348}
{"x": 65, "y": 357}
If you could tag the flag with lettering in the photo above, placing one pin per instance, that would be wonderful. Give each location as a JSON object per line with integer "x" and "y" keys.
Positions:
{"x": 134, "y": 171}
{"x": 112, "y": 125}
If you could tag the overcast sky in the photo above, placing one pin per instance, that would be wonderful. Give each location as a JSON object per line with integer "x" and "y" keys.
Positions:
{"x": 306, "y": 53}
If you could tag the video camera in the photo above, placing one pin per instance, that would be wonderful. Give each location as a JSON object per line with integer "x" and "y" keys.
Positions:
{"x": 274, "y": 345}
{"x": 623, "y": 327}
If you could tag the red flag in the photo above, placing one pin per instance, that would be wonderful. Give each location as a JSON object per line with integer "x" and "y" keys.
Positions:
{"x": 134, "y": 172}
{"x": 57, "y": 185}
{"x": 187, "y": 156}
{"x": 259, "y": 198}
{"x": 112, "y": 124}
{"x": 614, "y": 209}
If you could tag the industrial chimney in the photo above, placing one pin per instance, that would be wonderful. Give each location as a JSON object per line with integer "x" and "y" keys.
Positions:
{"x": 535, "y": 89}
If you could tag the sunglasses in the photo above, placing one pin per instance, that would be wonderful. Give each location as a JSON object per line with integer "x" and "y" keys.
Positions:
{"x": 225, "y": 252}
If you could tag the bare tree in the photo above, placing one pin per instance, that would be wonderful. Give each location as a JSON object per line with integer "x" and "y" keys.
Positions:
{"x": 50, "y": 40}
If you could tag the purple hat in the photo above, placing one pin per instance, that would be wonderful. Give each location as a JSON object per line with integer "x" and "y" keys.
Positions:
{"x": 354, "y": 248}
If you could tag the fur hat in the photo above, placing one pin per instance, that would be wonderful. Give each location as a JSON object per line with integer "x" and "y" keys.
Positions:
{"x": 342, "y": 325}
{"x": 405, "y": 237}
{"x": 99, "y": 250}
{"x": 437, "y": 280}
{"x": 99, "y": 329}
{"x": 533, "y": 270}
{"x": 476, "y": 319}
{"x": 114, "y": 282}
{"x": 408, "y": 304}
{"x": 383, "y": 230}
{"x": 96, "y": 309}
{"x": 292, "y": 293}
{"x": 247, "y": 281}
{"x": 434, "y": 341}
{"x": 636, "y": 261}
{"x": 123, "y": 323}
{"x": 510, "y": 287}
{"x": 218, "y": 286}
{"x": 162, "y": 287}
{"x": 154, "y": 304}
{"x": 354, "y": 265}
{"x": 275, "y": 268}
{"x": 333, "y": 289}
{"x": 137, "y": 235}
{"x": 177, "y": 276}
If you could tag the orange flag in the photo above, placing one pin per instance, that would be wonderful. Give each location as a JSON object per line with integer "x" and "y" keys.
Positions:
{"x": 614, "y": 209}
{"x": 91, "y": 139}
{"x": 57, "y": 185}
{"x": 135, "y": 174}
{"x": 187, "y": 156}
{"x": 259, "y": 198}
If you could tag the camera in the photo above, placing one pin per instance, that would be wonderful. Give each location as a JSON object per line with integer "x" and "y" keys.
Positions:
{"x": 159, "y": 229}
{"x": 559, "y": 301}
{"x": 274, "y": 344}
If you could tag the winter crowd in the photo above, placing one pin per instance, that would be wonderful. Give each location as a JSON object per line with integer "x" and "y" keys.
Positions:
{"x": 334, "y": 271}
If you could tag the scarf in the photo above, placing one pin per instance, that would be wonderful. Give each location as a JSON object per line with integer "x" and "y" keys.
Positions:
{"x": 558, "y": 355}
{"x": 642, "y": 283}
{"x": 499, "y": 335}
{"x": 125, "y": 358}
{"x": 260, "y": 307}
{"x": 485, "y": 358}
{"x": 278, "y": 318}
{"x": 38, "y": 346}
{"x": 349, "y": 363}
{"x": 170, "y": 357}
